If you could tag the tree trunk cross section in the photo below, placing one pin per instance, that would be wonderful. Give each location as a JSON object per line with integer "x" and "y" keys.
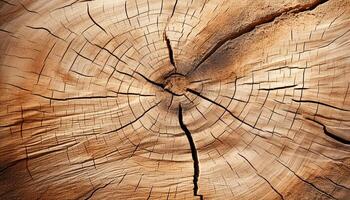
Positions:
{"x": 169, "y": 99}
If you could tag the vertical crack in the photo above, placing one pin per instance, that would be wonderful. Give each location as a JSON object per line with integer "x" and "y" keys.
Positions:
{"x": 168, "y": 44}
{"x": 170, "y": 50}
{"x": 193, "y": 152}
{"x": 172, "y": 14}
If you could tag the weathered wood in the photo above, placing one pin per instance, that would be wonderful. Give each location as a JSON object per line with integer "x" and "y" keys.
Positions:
{"x": 160, "y": 99}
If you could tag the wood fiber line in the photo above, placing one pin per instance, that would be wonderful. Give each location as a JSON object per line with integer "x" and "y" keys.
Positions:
{"x": 190, "y": 99}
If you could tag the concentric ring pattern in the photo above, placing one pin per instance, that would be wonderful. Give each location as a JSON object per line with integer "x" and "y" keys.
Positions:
{"x": 153, "y": 99}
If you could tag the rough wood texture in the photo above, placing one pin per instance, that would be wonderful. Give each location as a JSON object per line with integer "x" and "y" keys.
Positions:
{"x": 184, "y": 99}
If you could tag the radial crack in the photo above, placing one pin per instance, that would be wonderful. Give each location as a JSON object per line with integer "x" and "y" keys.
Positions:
{"x": 150, "y": 81}
{"x": 130, "y": 123}
{"x": 170, "y": 50}
{"x": 193, "y": 152}
{"x": 172, "y": 14}
{"x": 171, "y": 54}
{"x": 157, "y": 84}
{"x": 221, "y": 106}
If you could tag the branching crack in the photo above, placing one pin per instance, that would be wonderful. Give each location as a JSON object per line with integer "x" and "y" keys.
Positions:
{"x": 264, "y": 20}
{"x": 329, "y": 134}
{"x": 99, "y": 188}
{"x": 194, "y": 154}
{"x": 104, "y": 186}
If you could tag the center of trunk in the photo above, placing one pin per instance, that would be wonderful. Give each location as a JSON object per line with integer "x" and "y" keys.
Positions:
{"x": 176, "y": 84}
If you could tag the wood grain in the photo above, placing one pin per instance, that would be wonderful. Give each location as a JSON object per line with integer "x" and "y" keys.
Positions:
{"x": 170, "y": 99}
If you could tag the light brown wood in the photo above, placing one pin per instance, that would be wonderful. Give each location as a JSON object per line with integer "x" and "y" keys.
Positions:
{"x": 180, "y": 99}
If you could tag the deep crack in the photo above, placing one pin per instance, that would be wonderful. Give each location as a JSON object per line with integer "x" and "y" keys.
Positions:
{"x": 264, "y": 20}
{"x": 172, "y": 13}
{"x": 99, "y": 91}
{"x": 330, "y": 134}
{"x": 193, "y": 152}
{"x": 170, "y": 50}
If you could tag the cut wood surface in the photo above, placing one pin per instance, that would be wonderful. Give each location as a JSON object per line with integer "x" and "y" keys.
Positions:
{"x": 175, "y": 99}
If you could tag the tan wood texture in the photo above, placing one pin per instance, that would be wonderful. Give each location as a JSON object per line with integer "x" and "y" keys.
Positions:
{"x": 175, "y": 99}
